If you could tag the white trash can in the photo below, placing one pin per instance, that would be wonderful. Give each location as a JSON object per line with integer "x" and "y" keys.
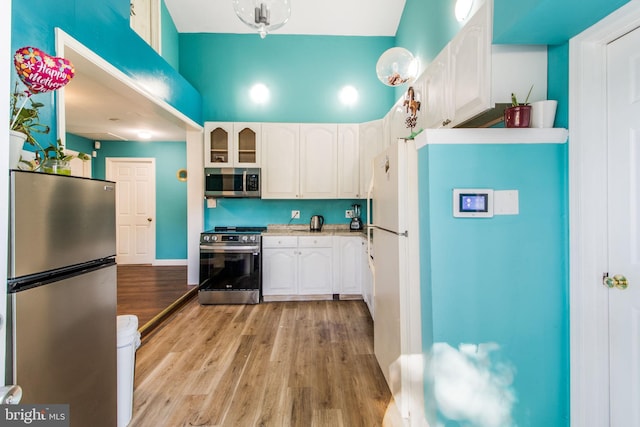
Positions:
{"x": 128, "y": 341}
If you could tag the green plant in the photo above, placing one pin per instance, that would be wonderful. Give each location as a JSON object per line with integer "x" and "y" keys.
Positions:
{"x": 52, "y": 152}
{"x": 26, "y": 119}
{"x": 57, "y": 152}
{"x": 514, "y": 100}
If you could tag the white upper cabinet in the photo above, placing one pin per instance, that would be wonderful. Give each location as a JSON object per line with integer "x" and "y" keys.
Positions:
{"x": 280, "y": 159}
{"x": 218, "y": 141}
{"x": 348, "y": 162}
{"x": 299, "y": 161}
{"x": 470, "y": 75}
{"x": 231, "y": 144}
{"x": 371, "y": 143}
{"x": 319, "y": 161}
{"x": 436, "y": 107}
{"x": 470, "y": 68}
{"x": 246, "y": 144}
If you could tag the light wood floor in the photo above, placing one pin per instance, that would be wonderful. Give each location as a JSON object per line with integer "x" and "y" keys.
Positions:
{"x": 270, "y": 364}
{"x": 145, "y": 290}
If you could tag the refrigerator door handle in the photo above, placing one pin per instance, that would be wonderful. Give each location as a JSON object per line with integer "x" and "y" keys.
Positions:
{"x": 369, "y": 230}
{"x": 401, "y": 234}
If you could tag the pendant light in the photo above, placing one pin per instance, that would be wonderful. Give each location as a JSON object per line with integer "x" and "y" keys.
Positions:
{"x": 263, "y": 15}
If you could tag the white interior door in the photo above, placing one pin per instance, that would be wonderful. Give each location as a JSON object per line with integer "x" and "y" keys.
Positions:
{"x": 135, "y": 206}
{"x": 623, "y": 77}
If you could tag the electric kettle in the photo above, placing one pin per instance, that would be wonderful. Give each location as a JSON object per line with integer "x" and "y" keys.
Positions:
{"x": 316, "y": 223}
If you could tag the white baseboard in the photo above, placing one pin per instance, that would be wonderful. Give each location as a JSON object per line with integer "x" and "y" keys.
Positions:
{"x": 169, "y": 262}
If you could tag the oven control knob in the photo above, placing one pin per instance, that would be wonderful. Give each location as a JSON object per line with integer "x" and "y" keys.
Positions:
{"x": 252, "y": 238}
{"x": 245, "y": 238}
{"x": 214, "y": 238}
{"x": 205, "y": 238}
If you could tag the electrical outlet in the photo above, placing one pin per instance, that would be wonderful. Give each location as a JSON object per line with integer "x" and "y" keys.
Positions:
{"x": 348, "y": 213}
{"x": 295, "y": 214}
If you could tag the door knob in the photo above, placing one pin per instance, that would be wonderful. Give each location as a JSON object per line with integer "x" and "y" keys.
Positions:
{"x": 149, "y": 219}
{"x": 619, "y": 281}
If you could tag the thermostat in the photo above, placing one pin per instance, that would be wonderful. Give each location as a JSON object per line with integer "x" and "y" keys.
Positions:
{"x": 472, "y": 203}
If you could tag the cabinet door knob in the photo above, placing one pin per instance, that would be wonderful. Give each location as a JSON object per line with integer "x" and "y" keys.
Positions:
{"x": 446, "y": 122}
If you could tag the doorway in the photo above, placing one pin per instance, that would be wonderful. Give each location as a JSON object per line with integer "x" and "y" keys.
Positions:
{"x": 113, "y": 94}
{"x": 135, "y": 180}
{"x": 592, "y": 305}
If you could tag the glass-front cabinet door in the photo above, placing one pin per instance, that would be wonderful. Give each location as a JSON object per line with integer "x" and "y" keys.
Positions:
{"x": 247, "y": 143}
{"x": 231, "y": 144}
{"x": 218, "y": 149}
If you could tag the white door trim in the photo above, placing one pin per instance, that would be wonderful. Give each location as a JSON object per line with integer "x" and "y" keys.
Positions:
{"x": 589, "y": 341}
{"x": 5, "y": 82}
{"x": 109, "y": 175}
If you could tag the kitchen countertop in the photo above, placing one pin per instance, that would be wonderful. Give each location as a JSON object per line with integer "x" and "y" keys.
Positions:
{"x": 303, "y": 230}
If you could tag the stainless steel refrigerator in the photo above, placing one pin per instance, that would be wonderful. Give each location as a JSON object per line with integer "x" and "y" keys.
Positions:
{"x": 62, "y": 294}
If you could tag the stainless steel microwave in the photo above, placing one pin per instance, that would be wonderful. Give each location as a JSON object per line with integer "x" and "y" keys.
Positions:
{"x": 232, "y": 182}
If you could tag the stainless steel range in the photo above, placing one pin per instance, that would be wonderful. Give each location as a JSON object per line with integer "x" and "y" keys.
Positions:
{"x": 230, "y": 264}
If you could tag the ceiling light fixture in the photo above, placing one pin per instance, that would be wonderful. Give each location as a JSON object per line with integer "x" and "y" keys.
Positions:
{"x": 263, "y": 15}
{"x": 348, "y": 96}
{"x": 259, "y": 93}
{"x": 144, "y": 134}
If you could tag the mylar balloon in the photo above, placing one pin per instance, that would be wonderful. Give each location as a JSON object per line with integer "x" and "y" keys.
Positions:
{"x": 41, "y": 72}
{"x": 397, "y": 66}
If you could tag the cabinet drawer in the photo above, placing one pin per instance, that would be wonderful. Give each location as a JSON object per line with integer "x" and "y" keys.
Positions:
{"x": 315, "y": 241}
{"x": 279, "y": 241}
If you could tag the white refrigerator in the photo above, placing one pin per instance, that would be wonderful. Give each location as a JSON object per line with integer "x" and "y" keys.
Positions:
{"x": 393, "y": 232}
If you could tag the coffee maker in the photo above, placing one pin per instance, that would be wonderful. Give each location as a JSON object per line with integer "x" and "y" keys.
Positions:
{"x": 356, "y": 222}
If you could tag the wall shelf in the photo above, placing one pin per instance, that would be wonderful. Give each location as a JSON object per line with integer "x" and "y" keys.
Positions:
{"x": 492, "y": 136}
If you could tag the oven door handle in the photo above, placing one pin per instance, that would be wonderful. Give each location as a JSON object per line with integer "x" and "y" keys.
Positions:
{"x": 229, "y": 249}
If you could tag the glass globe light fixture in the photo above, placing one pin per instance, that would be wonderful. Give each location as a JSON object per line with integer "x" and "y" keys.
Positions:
{"x": 397, "y": 66}
{"x": 263, "y": 15}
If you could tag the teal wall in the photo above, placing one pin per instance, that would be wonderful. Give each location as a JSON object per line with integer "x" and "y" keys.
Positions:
{"x": 303, "y": 73}
{"x": 79, "y": 143}
{"x": 171, "y": 194}
{"x": 558, "y": 81}
{"x": 426, "y": 26}
{"x": 102, "y": 26}
{"x": 256, "y": 212}
{"x": 501, "y": 280}
{"x": 550, "y": 22}
{"x": 170, "y": 46}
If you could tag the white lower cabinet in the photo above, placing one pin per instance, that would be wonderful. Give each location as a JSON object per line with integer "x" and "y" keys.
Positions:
{"x": 348, "y": 261}
{"x": 297, "y": 265}
{"x": 279, "y": 265}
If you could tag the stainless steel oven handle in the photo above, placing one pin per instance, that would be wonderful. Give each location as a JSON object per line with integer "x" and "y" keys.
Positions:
{"x": 229, "y": 249}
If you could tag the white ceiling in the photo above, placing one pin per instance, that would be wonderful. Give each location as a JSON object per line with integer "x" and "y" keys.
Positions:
{"x": 100, "y": 107}
{"x": 314, "y": 17}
